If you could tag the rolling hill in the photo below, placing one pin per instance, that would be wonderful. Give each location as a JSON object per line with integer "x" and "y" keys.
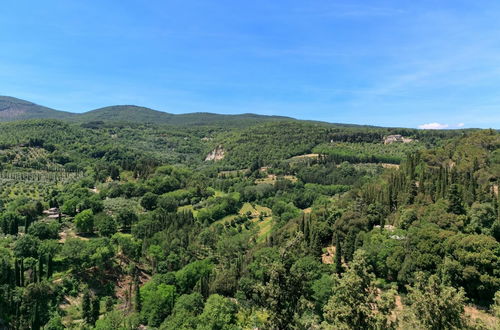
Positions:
{"x": 12, "y": 109}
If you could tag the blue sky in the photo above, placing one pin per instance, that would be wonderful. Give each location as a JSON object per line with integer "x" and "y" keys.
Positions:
{"x": 392, "y": 63}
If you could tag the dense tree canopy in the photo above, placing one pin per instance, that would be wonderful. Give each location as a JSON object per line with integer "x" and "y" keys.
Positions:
{"x": 300, "y": 225}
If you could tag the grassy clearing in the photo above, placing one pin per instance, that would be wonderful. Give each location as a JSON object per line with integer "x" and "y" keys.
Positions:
{"x": 188, "y": 208}
{"x": 271, "y": 179}
{"x": 219, "y": 193}
{"x": 265, "y": 225}
{"x": 302, "y": 157}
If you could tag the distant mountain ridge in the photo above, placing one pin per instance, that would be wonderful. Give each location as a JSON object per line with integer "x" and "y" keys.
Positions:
{"x": 13, "y": 109}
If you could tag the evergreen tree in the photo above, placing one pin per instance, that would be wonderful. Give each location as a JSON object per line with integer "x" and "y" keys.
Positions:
{"x": 412, "y": 193}
{"x": 350, "y": 246}
{"x": 95, "y": 310}
{"x": 338, "y": 256}
{"x": 27, "y": 223}
{"x": 17, "y": 272}
{"x": 40, "y": 267}
{"x": 50, "y": 266}
{"x": 86, "y": 307}
{"x": 138, "y": 298}
{"x": 21, "y": 272}
{"x": 455, "y": 200}
{"x": 109, "y": 304}
{"x": 354, "y": 299}
{"x": 35, "y": 325}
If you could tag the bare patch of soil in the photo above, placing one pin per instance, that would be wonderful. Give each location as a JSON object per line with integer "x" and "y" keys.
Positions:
{"x": 475, "y": 313}
{"x": 327, "y": 257}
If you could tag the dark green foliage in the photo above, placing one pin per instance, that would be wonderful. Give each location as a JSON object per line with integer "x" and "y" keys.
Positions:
{"x": 149, "y": 201}
{"x": 137, "y": 295}
{"x": 105, "y": 224}
{"x": 95, "y": 309}
{"x": 338, "y": 257}
{"x": 455, "y": 201}
{"x": 44, "y": 230}
{"x": 87, "y": 307}
{"x": 9, "y": 223}
{"x": 126, "y": 218}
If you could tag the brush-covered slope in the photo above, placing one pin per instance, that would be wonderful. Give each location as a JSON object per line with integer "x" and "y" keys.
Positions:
{"x": 124, "y": 113}
{"x": 12, "y": 109}
{"x": 136, "y": 114}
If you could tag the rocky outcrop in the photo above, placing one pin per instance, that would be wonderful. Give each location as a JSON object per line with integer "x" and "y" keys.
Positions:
{"x": 216, "y": 154}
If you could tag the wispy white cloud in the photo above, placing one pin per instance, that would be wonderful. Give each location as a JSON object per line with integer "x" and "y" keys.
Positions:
{"x": 433, "y": 126}
{"x": 440, "y": 126}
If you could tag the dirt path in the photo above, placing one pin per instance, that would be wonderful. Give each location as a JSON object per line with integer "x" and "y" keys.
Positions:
{"x": 69, "y": 233}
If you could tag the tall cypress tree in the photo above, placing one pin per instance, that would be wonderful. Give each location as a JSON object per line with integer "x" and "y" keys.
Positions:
{"x": 35, "y": 325}
{"x": 455, "y": 200}
{"x": 86, "y": 307}
{"x": 96, "y": 304}
{"x": 16, "y": 272}
{"x": 40, "y": 267}
{"x": 349, "y": 246}
{"x": 50, "y": 266}
{"x": 338, "y": 256}
{"x": 21, "y": 272}
{"x": 26, "y": 224}
{"x": 138, "y": 298}
{"x": 412, "y": 193}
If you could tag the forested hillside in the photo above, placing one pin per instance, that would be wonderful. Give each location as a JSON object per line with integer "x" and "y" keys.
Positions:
{"x": 294, "y": 225}
{"x": 13, "y": 109}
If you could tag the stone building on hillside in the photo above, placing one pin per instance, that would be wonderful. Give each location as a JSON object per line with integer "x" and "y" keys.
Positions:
{"x": 396, "y": 138}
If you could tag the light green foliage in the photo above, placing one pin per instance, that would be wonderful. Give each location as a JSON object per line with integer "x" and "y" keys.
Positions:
{"x": 482, "y": 217}
{"x": 433, "y": 305}
{"x": 157, "y": 302}
{"x": 26, "y": 246}
{"x": 476, "y": 265}
{"x": 385, "y": 252}
{"x": 185, "y": 312}
{"x": 116, "y": 320}
{"x": 84, "y": 222}
{"x": 187, "y": 277}
{"x": 219, "y": 314}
